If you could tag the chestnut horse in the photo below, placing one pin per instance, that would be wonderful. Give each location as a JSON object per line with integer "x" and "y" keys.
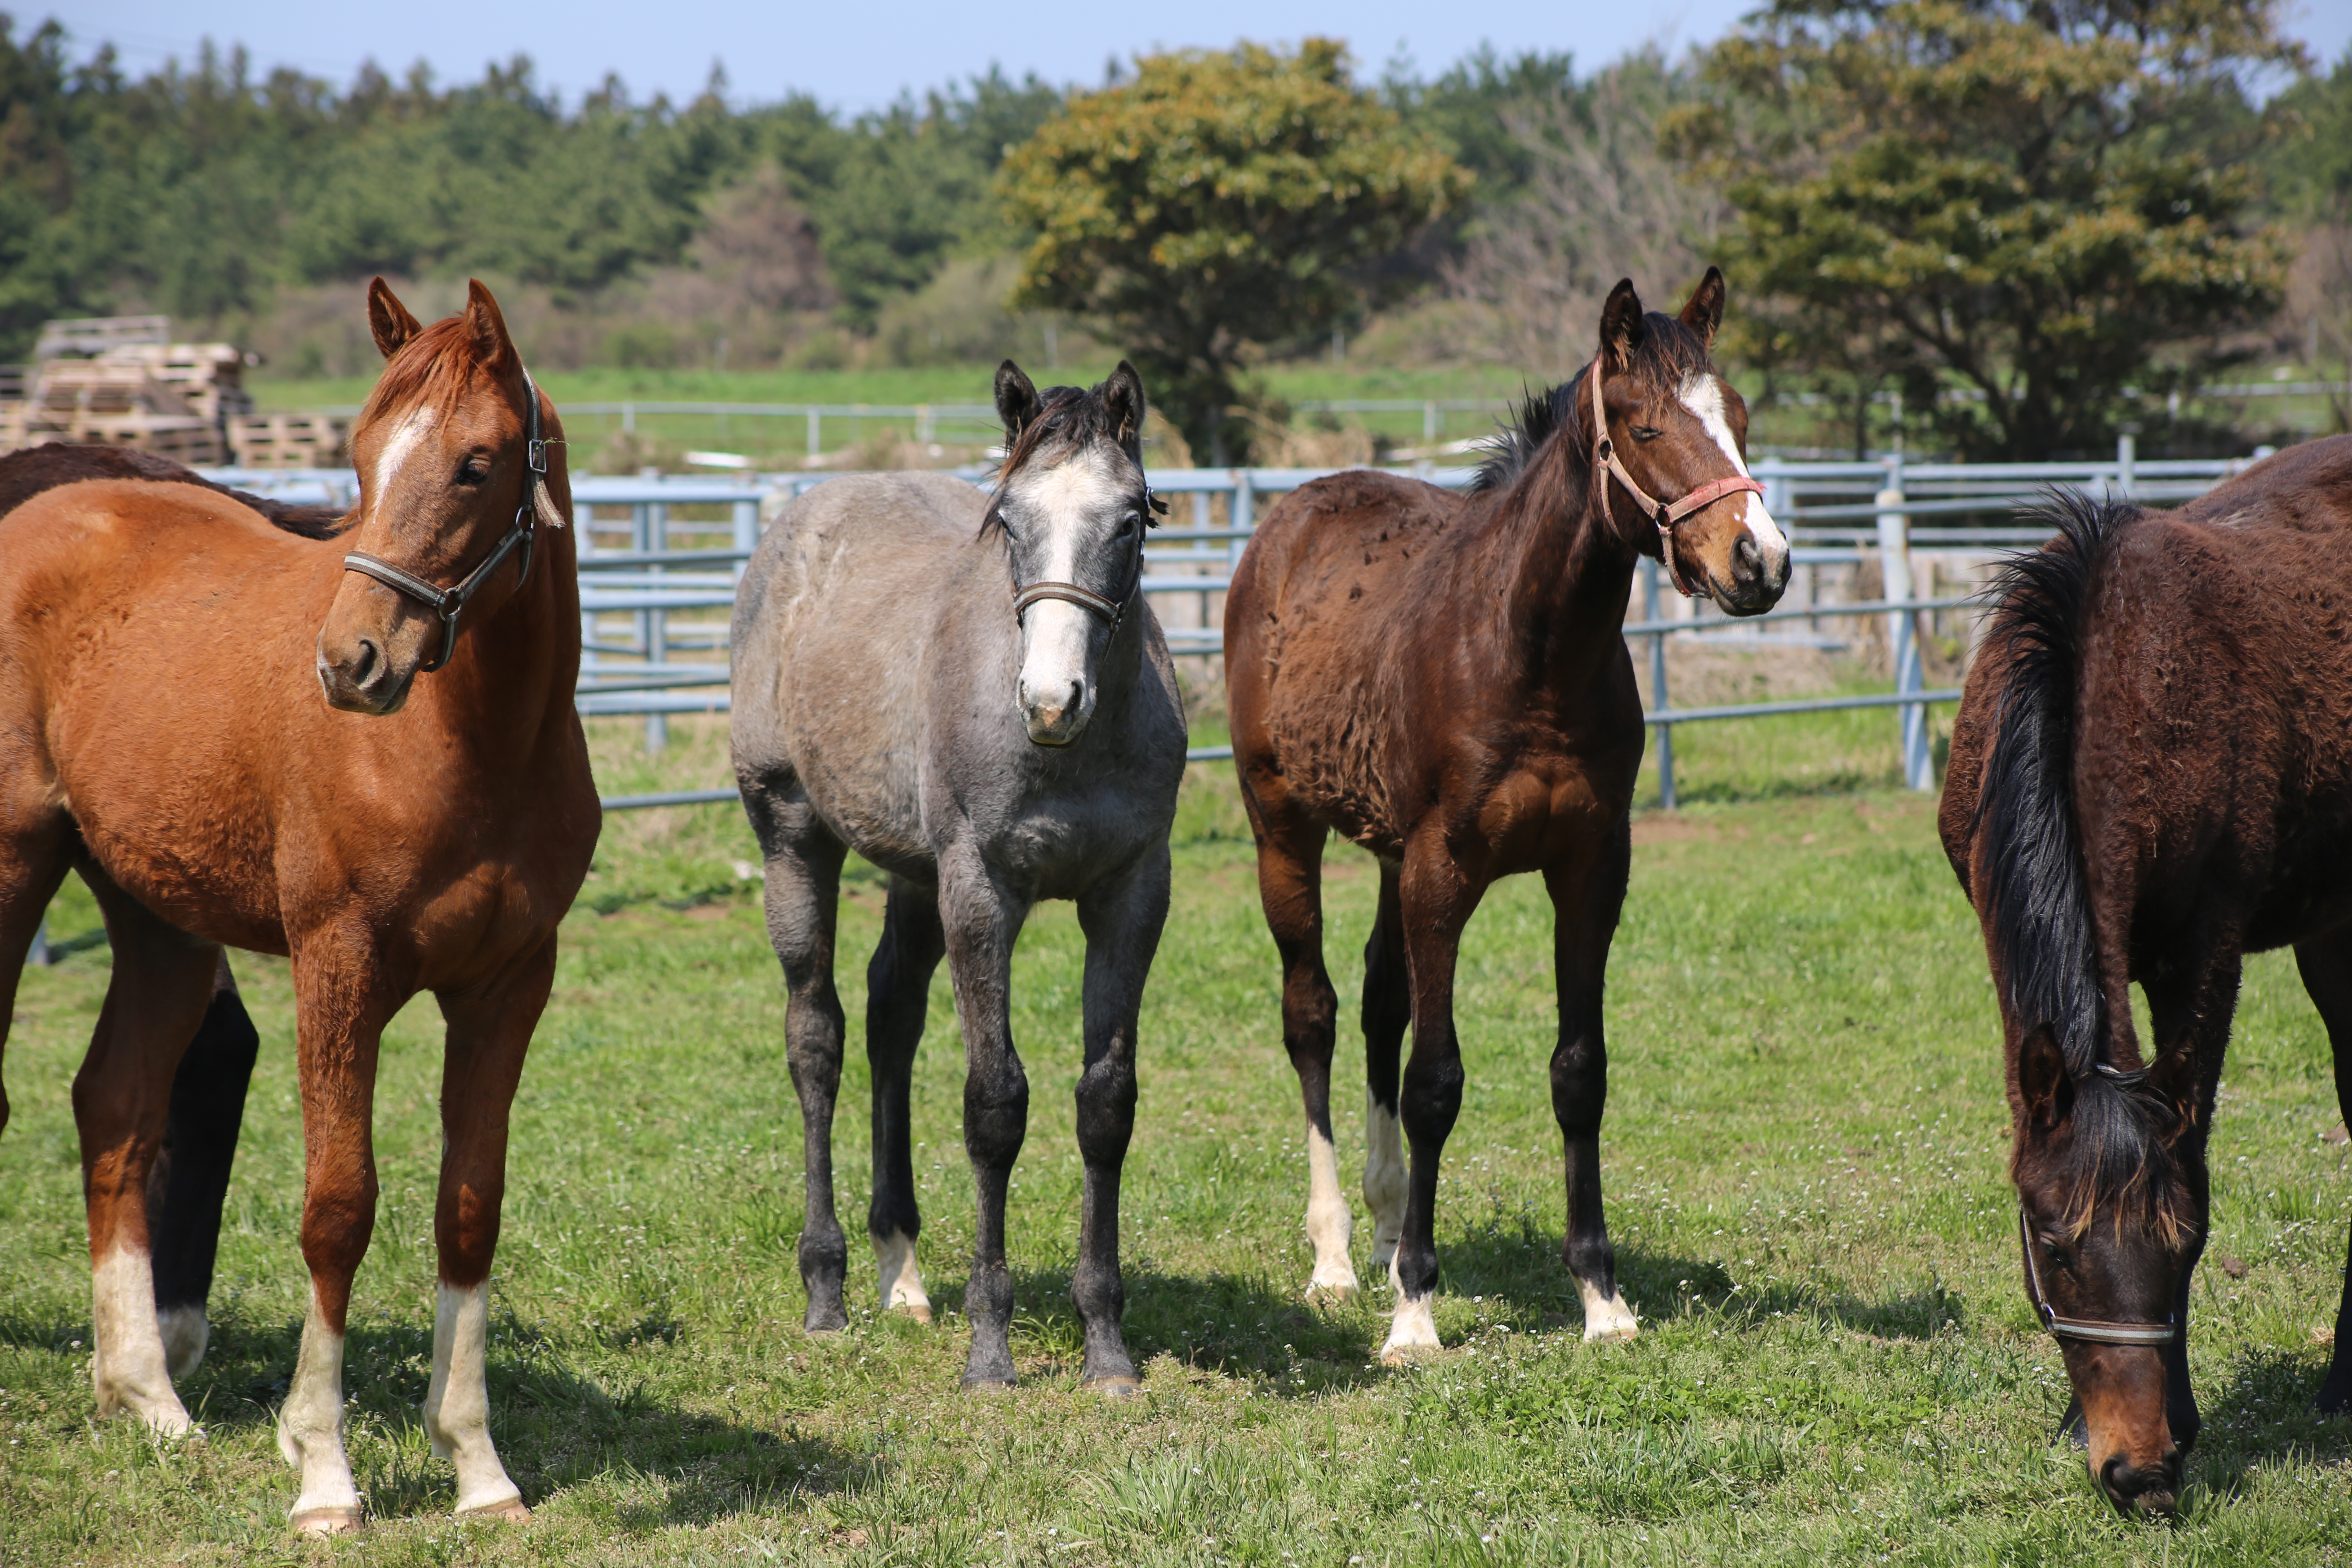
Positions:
{"x": 2151, "y": 776}
{"x": 1444, "y": 681}
{"x": 400, "y": 836}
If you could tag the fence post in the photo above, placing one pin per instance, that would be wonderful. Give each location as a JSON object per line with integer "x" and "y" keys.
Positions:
{"x": 1429, "y": 423}
{"x": 2126, "y": 454}
{"x": 629, "y": 417}
{"x": 926, "y": 423}
{"x": 815, "y": 432}
{"x": 1244, "y": 514}
{"x": 1902, "y": 632}
{"x": 1649, "y": 612}
{"x": 40, "y": 953}
{"x": 653, "y": 625}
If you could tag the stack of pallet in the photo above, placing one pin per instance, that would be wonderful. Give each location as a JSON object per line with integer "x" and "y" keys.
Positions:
{"x": 110, "y": 402}
{"x": 287, "y": 440}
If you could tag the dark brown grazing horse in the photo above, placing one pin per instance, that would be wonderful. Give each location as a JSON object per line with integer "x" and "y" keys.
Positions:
{"x": 1444, "y": 681}
{"x": 189, "y": 1180}
{"x": 2151, "y": 776}
{"x": 163, "y": 653}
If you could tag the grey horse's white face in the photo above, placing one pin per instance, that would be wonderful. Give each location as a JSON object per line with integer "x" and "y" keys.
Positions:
{"x": 1079, "y": 523}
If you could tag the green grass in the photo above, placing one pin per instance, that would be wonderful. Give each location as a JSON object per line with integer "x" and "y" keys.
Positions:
{"x": 1805, "y": 1159}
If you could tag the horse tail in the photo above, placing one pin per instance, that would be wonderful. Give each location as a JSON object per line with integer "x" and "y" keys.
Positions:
{"x": 2035, "y": 889}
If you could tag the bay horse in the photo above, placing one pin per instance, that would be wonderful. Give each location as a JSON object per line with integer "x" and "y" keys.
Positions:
{"x": 163, "y": 654}
{"x": 188, "y": 1182}
{"x": 1443, "y": 679}
{"x": 2150, "y": 777}
{"x": 974, "y": 695}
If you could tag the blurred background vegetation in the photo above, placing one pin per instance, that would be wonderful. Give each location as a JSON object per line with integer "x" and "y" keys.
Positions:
{"x": 2173, "y": 205}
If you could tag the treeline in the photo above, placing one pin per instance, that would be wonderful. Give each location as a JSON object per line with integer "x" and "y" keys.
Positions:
{"x": 1917, "y": 202}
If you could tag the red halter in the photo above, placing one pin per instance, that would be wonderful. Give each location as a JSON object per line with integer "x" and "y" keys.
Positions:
{"x": 1665, "y": 514}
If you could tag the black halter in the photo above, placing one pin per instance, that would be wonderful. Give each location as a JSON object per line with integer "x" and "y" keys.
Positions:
{"x": 1111, "y": 610}
{"x": 448, "y": 604}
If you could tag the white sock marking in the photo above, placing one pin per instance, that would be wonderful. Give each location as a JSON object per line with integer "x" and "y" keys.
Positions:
{"x": 457, "y": 1405}
{"x": 1385, "y": 1184}
{"x": 1414, "y": 1328}
{"x": 1606, "y": 1317}
{"x": 127, "y": 1365}
{"x": 1329, "y": 1225}
{"x": 311, "y": 1422}
{"x": 901, "y": 1281}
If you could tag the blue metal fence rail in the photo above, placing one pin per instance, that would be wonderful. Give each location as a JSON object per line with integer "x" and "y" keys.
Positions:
{"x": 655, "y": 582}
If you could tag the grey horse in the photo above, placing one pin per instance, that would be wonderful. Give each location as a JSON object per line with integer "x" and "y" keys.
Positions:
{"x": 973, "y": 695}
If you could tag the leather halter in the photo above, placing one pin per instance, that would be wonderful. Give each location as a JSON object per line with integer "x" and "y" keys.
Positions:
{"x": 1111, "y": 610}
{"x": 2096, "y": 1331}
{"x": 1665, "y": 514}
{"x": 448, "y": 604}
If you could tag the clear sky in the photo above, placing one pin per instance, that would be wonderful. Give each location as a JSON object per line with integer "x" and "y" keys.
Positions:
{"x": 859, "y": 56}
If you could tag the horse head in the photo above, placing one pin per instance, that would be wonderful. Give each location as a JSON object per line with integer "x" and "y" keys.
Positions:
{"x": 1072, "y": 505}
{"x": 451, "y": 449}
{"x": 2112, "y": 1198}
{"x": 1667, "y": 434}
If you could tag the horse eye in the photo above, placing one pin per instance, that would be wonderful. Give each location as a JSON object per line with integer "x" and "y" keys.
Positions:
{"x": 473, "y": 471}
{"x": 1644, "y": 433}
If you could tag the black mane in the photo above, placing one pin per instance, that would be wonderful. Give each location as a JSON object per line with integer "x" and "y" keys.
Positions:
{"x": 26, "y": 474}
{"x": 1668, "y": 352}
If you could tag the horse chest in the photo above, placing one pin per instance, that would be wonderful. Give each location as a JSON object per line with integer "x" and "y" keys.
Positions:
{"x": 1539, "y": 814}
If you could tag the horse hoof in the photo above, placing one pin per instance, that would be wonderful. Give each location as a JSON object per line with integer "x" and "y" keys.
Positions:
{"x": 511, "y": 1512}
{"x": 976, "y": 1384}
{"x": 327, "y": 1521}
{"x": 1332, "y": 1292}
{"x": 1120, "y": 1385}
{"x": 914, "y": 1314}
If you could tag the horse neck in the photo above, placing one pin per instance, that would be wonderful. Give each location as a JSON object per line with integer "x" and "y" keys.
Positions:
{"x": 517, "y": 665}
{"x": 1571, "y": 573}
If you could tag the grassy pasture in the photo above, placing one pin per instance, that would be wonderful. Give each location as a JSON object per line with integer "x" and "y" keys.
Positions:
{"x": 1805, "y": 1159}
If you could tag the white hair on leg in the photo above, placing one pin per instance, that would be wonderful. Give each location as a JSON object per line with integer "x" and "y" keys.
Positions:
{"x": 457, "y": 1405}
{"x": 310, "y": 1432}
{"x": 901, "y": 1282}
{"x": 188, "y": 1333}
{"x": 1606, "y": 1317}
{"x": 128, "y": 1369}
{"x": 1329, "y": 1225}
{"x": 1412, "y": 1330}
{"x": 1385, "y": 1184}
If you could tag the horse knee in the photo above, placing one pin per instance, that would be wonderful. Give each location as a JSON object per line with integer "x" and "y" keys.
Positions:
{"x": 1432, "y": 1100}
{"x": 1579, "y": 1084}
{"x": 995, "y": 1116}
{"x": 1098, "y": 1290}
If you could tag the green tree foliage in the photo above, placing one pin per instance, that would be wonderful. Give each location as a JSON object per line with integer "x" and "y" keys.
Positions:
{"x": 1214, "y": 202}
{"x": 2033, "y": 204}
{"x": 2311, "y": 163}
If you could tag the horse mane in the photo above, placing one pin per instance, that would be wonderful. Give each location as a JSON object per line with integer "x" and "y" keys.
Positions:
{"x": 425, "y": 371}
{"x": 26, "y": 473}
{"x": 2036, "y": 894}
{"x": 1669, "y": 353}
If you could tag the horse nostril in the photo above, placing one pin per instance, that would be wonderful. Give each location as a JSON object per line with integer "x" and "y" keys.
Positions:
{"x": 1747, "y": 563}
{"x": 366, "y": 665}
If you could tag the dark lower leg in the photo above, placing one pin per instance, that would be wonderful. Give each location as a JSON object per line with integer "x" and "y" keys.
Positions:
{"x": 2326, "y": 967}
{"x": 190, "y": 1179}
{"x": 1387, "y": 1012}
{"x": 1436, "y": 903}
{"x": 1122, "y": 922}
{"x": 982, "y": 920}
{"x": 1586, "y": 896}
{"x": 803, "y": 881}
{"x": 897, "y": 983}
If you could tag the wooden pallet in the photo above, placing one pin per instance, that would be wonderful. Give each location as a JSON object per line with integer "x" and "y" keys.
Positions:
{"x": 288, "y": 440}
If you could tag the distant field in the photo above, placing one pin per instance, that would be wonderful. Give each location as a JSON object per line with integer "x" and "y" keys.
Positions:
{"x": 1805, "y": 1159}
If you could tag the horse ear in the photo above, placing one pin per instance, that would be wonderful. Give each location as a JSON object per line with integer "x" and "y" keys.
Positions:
{"x": 1016, "y": 401}
{"x": 485, "y": 325}
{"x": 2173, "y": 1075}
{"x": 1704, "y": 314}
{"x": 2043, "y": 1085}
{"x": 389, "y": 319}
{"x": 1123, "y": 401}
{"x": 1621, "y": 326}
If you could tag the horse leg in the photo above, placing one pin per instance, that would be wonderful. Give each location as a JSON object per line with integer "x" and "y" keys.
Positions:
{"x": 2326, "y": 965}
{"x": 32, "y": 865}
{"x": 981, "y": 920}
{"x": 1586, "y": 897}
{"x": 1290, "y": 888}
{"x": 804, "y": 891}
{"x": 898, "y": 995}
{"x": 1436, "y": 901}
{"x": 2190, "y": 1007}
{"x": 340, "y": 1003}
{"x": 161, "y": 980}
{"x": 1122, "y": 919}
{"x": 1388, "y": 1009}
{"x": 189, "y": 1181}
{"x": 489, "y": 1032}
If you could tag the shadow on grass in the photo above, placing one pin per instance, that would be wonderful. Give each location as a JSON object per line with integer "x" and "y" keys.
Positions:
{"x": 554, "y": 1428}
{"x": 2265, "y": 1415}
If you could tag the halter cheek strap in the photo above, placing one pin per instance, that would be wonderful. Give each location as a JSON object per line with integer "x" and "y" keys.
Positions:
{"x": 1664, "y": 514}
{"x": 448, "y": 604}
{"x": 2094, "y": 1330}
{"x": 1111, "y": 610}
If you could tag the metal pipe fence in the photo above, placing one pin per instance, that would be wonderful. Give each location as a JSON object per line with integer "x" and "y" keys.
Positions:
{"x": 660, "y": 557}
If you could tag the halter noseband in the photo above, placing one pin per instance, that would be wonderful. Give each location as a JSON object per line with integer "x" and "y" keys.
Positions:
{"x": 1111, "y": 610}
{"x": 448, "y": 604}
{"x": 1664, "y": 514}
{"x": 2096, "y": 1331}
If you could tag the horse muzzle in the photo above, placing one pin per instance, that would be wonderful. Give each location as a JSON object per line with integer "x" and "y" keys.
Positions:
{"x": 1751, "y": 580}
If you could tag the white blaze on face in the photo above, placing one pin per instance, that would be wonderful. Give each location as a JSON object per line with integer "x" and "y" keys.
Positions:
{"x": 397, "y": 448}
{"x": 1059, "y": 511}
{"x": 1703, "y": 395}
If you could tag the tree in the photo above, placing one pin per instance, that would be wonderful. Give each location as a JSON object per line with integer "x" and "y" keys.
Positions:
{"x": 2010, "y": 210}
{"x": 1215, "y": 201}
